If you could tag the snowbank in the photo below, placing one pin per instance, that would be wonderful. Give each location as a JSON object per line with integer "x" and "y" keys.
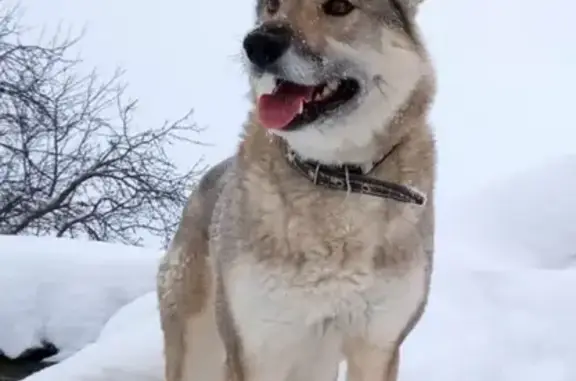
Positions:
{"x": 501, "y": 307}
{"x": 532, "y": 214}
{"x": 129, "y": 349}
{"x": 63, "y": 291}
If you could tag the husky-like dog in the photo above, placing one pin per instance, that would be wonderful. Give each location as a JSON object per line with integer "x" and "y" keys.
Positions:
{"x": 313, "y": 243}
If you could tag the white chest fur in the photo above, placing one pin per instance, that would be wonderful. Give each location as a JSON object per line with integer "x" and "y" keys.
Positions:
{"x": 280, "y": 316}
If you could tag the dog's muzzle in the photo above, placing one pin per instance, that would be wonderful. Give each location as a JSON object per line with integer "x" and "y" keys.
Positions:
{"x": 265, "y": 45}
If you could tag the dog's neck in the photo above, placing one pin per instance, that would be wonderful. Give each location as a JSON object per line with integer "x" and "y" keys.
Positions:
{"x": 341, "y": 145}
{"x": 257, "y": 141}
{"x": 367, "y": 166}
{"x": 352, "y": 178}
{"x": 355, "y": 157}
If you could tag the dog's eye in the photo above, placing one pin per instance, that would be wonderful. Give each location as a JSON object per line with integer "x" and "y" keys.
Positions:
{"x": 337, "y": 7}
{"x": 272, "y": 6}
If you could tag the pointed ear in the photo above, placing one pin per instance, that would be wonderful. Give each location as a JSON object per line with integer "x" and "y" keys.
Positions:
{"x": 413, "y": 3}
{"x": 412, "y": 6}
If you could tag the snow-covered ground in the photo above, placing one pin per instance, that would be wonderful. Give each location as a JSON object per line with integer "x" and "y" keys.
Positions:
{"x": 63, "y": 291}
{"x": 501, "y": 307}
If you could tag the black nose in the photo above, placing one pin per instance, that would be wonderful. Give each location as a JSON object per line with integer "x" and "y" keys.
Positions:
{"x": 266, "y": 44}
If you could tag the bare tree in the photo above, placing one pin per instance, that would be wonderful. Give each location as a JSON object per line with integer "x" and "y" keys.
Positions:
{"x": 71, "y": 162}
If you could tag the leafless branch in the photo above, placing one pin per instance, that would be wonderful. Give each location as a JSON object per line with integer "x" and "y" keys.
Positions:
{"x": 71, "y": 162}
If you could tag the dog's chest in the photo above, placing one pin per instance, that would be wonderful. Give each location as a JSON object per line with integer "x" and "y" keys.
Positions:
{"x": 307, "y": 263}
{"x": 318, "y": 259}
{"x": 323, "y": 242}
{"x": 333, "y": 230}
{"x": 287, "y": 305}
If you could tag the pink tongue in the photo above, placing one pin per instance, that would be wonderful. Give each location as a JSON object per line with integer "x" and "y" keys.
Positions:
{"x": 279, "y": 109}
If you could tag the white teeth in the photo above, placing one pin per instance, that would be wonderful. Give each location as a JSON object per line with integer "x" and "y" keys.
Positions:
{"x": 327, "y": 90}
{"x": 266, "y": 84}
{"x": 333, "y": 85}
{"x": 301, "y": 109}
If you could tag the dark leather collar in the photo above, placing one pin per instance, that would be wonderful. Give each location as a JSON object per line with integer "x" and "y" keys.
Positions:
{"x": 352, "y": 178}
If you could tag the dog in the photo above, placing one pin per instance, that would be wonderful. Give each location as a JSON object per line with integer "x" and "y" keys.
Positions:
{"x": 314, "y": 242}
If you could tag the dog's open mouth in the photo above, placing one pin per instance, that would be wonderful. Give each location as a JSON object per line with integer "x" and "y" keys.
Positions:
{"x": 291, "y": 105}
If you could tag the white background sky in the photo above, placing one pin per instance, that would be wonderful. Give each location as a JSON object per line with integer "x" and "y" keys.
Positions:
{"x": 507, "y": 73}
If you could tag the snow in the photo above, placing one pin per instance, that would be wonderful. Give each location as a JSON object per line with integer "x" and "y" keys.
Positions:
{"x": 63, "y": 291}
{"x": 128, "y": 349}
{"x": 504, "y": 279}
{"x": 544, "y": 240}
{"x": 501, "y": 306}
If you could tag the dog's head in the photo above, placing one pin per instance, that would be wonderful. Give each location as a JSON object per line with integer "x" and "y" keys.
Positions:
{"x": 329, "y": 75}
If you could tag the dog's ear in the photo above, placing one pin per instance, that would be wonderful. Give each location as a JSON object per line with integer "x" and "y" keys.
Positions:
{"x": 412, "y": 6}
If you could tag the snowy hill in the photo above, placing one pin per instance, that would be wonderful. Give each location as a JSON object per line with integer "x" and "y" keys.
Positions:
{"x": 501, "y": 305}
{"x": 62, "y": 291}
{"x": 532, "y": 212}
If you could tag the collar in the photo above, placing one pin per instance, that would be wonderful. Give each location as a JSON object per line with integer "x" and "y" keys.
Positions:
{"x": 353, "y": 178}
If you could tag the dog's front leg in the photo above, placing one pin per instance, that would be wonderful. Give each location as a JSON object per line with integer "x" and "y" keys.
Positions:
{"x": 193, "y": 349}
{"x": 277, "y": 340}
{"x": 303, "y": 358}
{"x": 266, "y": 351}
{"x": 368, "y": 362}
